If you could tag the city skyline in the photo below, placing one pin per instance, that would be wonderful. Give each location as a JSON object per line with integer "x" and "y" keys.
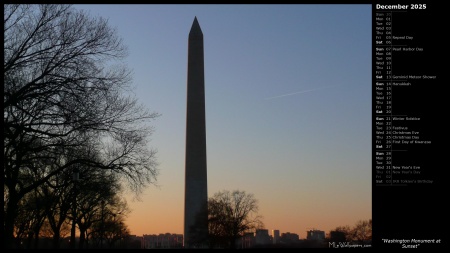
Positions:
{"x": 288, "y": 108}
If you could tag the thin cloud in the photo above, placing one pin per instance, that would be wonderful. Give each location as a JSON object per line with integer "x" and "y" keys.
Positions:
{"x": 300, "y": 92}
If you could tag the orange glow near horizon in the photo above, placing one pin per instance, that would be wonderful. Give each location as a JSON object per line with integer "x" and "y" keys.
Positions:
{"x": 160, "y": 213}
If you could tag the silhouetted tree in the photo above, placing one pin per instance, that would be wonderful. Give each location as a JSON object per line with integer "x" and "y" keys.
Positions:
{"x": 59, "y": 195}
{"x": 66, "y": 96}
{"x": 107, "y": 223}
{"x": 362, "y": 231}
{"x": 99, "y": 186}
{"x": 230, "y": 215}
{"x": 341, "y": 234}
{"x": 29, "y": 220}
{"x": 50, "y": 205}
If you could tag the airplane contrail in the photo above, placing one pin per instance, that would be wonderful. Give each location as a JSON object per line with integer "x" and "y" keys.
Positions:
{"x": 303, "y": 91}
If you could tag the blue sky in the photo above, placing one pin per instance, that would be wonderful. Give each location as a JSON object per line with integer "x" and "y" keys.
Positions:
{"x": 288, "y": 108}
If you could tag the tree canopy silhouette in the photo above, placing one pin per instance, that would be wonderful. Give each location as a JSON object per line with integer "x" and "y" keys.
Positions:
{"x": 361, "y": 232}
{"x": 230, "y": 215}
{"x": 67, "y": 103}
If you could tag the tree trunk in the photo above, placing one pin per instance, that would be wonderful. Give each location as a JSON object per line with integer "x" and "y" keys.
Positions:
{"x": 10, "y": 218}
{"x": 56, "y": 239}
{"x": 82, "y": 238}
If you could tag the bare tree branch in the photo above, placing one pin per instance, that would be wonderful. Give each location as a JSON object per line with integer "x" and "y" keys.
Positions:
{"x": 230, "y": 215}
{"x": 66, "y": 92}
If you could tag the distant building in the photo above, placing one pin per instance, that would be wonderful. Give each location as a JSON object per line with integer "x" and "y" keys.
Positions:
{"x": 289, "y": 238}
{"x": 262, "y": 237}
{"x": 275, "y": 236}
{"x": 247, "y": 241}
{"x": 132, "y": 242}
{"x": 315, "y": 234}
{"x": 337, "y": 236}
{"x": 162, "y": 241}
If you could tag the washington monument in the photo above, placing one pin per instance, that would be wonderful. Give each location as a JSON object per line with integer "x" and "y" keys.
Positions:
{"x": 196, "y": 190}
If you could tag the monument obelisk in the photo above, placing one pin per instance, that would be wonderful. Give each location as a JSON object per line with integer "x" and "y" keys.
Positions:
{"x": 196, "y": 190}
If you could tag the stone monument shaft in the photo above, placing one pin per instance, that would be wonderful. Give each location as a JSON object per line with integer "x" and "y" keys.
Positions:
{"x": 196, "y": 190}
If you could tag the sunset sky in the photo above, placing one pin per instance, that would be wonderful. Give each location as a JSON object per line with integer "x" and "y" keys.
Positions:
{"x": 288, "y": 108}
